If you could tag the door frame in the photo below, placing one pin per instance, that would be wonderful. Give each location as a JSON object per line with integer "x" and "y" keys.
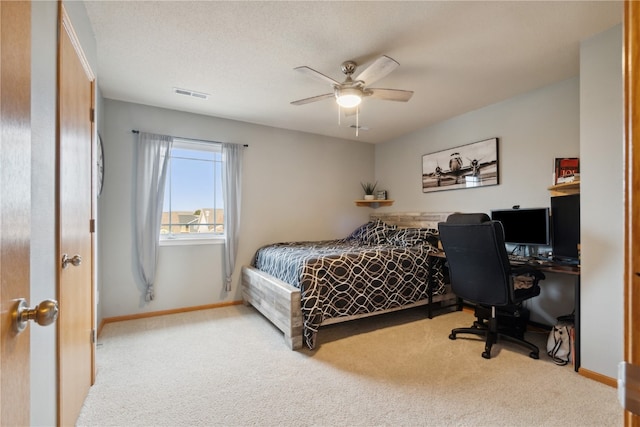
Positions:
{"x": 631, "y": 64}
{"x": 66, "y": 28}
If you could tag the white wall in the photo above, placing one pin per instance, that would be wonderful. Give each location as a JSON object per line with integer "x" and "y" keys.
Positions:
{"x": 533, "y": 129}
{"x": 296, "y": 186}
{"x": 43, "y": 226}
{"x": 602, "y": 202}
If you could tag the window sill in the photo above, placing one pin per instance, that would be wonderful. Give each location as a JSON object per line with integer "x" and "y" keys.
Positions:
{"x": 192, "y": 241}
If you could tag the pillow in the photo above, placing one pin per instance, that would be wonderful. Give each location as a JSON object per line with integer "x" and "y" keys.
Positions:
{"x": 408, "y": 237}
{"x": 378, "y": 233}
{"x": 372, "y": 233}
{"x": 358, "y": 232}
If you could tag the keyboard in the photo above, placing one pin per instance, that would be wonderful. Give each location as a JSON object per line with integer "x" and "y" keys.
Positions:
{"x": 519, "y": 258}
{"x": 563, "y": 261}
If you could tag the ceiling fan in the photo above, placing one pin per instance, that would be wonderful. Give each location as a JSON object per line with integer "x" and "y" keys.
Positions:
{"x": 349, "y": 93}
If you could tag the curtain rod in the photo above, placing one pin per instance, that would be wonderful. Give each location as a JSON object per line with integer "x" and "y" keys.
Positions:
{"x": 190, "y": 139}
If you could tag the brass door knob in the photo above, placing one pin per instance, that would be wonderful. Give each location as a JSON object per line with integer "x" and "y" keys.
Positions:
{"x": 76, "y": 260}
{"x": 43, "y": 314}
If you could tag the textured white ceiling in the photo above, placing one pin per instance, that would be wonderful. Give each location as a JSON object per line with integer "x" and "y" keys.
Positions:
{"x": 456, "y": 56}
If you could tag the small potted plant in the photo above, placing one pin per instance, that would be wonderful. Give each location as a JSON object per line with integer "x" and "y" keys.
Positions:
{"x": 369, "y": 188}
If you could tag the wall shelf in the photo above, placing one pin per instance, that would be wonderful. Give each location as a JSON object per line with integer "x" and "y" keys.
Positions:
{"x": 565, "y": 189}
{"x": 374, "y": 203}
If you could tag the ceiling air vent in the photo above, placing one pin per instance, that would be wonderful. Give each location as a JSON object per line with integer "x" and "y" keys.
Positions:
{"x": 192, "y": 93}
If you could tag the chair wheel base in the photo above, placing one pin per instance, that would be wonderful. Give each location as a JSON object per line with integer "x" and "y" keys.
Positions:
{"x": 452, "y": 336}
{"x": 534, "y": 355}
{"x": 486, "y": 355}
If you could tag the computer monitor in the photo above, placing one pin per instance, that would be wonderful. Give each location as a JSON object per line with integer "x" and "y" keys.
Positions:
{"x": 565, "y": 221}
{"x": 524, "y": 226}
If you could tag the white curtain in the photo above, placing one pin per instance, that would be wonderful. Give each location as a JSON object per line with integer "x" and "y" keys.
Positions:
{"x": 232, "y": 195}
{"x": 151, "y": 171}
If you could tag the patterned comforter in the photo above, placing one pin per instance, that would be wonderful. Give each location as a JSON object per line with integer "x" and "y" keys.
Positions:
{"x": 340, "y": 278}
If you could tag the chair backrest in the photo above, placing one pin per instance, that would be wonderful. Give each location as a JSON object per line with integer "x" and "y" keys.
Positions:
{"x": 479, "y": 267}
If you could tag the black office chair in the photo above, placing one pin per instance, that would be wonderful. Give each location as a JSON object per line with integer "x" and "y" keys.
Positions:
{"x": 480, "y": 273}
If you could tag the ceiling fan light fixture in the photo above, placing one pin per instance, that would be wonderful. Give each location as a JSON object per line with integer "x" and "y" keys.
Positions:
{"x": 349, "y": 97}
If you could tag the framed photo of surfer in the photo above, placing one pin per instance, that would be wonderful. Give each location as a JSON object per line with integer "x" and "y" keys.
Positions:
{"x": 466, "y": 166}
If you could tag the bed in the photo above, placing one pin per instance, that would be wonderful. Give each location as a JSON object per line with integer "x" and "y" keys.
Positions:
{"x": 383, "y": 266}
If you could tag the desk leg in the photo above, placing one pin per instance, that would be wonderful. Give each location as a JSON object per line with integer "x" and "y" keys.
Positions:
{"x": 430, "y": 270}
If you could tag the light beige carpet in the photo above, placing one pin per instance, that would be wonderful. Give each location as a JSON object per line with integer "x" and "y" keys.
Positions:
{"x": 230, "y": 366}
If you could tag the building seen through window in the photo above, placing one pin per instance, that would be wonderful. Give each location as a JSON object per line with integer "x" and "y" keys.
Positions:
{"x": 193, "y": 204}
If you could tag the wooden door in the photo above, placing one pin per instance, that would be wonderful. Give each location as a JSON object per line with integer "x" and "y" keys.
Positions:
{"x": 75, "y": 287}
{"x": 15, "y": 205}
{"x": 632, "y": 189}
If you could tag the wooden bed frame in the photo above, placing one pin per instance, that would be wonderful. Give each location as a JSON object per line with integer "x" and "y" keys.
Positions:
{"x": 280, "y": 302}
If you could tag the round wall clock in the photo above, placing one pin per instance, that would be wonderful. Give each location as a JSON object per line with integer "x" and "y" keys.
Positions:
{"x": 99, "y": 166}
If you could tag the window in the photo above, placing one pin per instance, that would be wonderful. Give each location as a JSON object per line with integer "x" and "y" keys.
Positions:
{"x": 193, "y": 205}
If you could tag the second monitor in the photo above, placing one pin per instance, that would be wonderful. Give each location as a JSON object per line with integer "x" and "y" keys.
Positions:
{"x": 528, "y": 227}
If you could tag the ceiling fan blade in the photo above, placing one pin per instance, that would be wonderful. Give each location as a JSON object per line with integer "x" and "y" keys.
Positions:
{"x": 313, "y": 99}
{"x": 391, "y": 94}
{"x": 380, "y": 68}
{"x": 316, "y": 75}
